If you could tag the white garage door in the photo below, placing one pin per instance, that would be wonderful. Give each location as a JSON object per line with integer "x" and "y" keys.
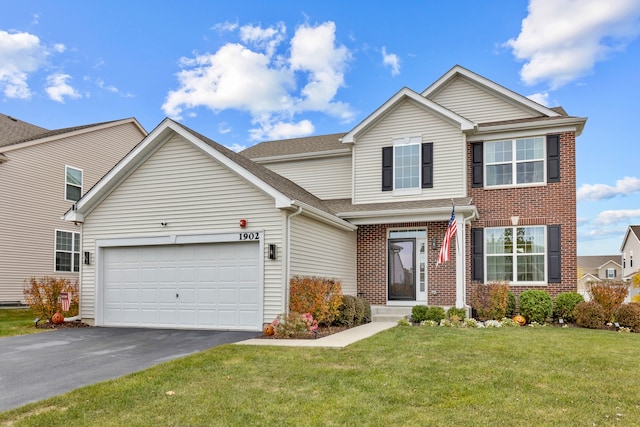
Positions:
{"x": 203, "y": 286}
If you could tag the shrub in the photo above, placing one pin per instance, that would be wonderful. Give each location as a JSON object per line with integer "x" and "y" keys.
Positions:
{"x": 609, "y": 295}
{"x": 316, "y": 295}
{"x": 41, "y": 294}
{"x": 589, "y": 314}
{"x": 565, "y": 304}
{"x": 457, "y": 313}
{"x": 628, "y": 315}
{"x": 536, "y": 305}
{"x": 347, "y": 311}
{"x": 419, "y": 313}
{"x": 511, "y": 305}
{"x": 435, "y": 313}
{"x": 490, "y": 300}
{"x": 360, "y": 311}
{"x": 404, "y": 322}
{"x": 367, "y": 310}
{"x": 294, "y": 325}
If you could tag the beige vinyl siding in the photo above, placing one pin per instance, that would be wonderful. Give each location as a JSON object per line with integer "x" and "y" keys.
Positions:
{"x": 327, "y": 178}
{"x": 478, "y": 105}
{"x": 409, "y": 119}
{"x": 318, "y": 249}
{"x": 194, "y": 194}
{"x": 32, "y": 183}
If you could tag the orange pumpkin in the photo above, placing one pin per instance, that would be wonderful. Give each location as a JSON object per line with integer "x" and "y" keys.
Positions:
{"x": 520, "y": 320}
{"x": 57, "y": 318}
{"x": 268, "y": 330}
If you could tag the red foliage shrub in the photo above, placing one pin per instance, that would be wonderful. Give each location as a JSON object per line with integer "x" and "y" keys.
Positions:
{"x": 41, "y": 294}
{"x": 609, "y": 295}
{"x": 319, "y": 296}
{"x": 490, "y": 300}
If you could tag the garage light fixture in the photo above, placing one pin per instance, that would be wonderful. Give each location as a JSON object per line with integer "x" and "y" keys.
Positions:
{"x": 272, "y": 251}
{"x": 87, "y": 258}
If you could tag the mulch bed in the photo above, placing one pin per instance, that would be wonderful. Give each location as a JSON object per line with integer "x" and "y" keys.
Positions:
{"x": 322, "y": 331}
{"x": 63, "y": 325}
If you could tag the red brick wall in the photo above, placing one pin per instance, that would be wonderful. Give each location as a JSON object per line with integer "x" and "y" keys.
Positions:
{"x": 553, "y": 203}
{"x": 372, "y": 263}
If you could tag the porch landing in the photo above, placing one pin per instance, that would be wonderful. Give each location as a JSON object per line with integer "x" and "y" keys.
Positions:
{"x": 385, "y": 313}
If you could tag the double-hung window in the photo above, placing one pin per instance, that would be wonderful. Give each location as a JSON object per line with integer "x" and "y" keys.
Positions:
{"x": 515, "y": 254}
{"x": 515, "y": 162}
{"x": 73, "y": 184}
{"x": 611, "y": 273}
{"x": 67, "y": 251}
{"x": 407, "y": 166}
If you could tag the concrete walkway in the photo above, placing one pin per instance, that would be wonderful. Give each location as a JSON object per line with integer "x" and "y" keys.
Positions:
{"x": 339, "y": 340}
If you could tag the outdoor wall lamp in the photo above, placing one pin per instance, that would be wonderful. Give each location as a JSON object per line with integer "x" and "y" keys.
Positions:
{"x": 87, "y": 258}
{"x": 434, "y": 244}
{"x": 272, "y": 251}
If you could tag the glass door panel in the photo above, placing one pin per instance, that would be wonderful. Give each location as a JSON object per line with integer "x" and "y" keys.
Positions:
{"x": 402, "y": 269}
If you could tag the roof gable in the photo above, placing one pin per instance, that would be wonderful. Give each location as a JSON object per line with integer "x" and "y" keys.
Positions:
{"x": 633, "y": 231}
{"x": 392, "y": 103}
{"x": 284, "y": 192}
{"x": 12, "y": 130}
{"x": 487, "y": 85}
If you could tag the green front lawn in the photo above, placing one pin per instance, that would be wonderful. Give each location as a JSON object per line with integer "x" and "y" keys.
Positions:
{"x": 17, "y": 321}
{"x": 406, "y": 376}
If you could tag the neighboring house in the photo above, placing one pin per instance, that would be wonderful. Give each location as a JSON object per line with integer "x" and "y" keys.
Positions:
{"x": 597, "y": 268}
{"x": 42, "y": 173}
{"x": 630, "y": 246}
{"x": 186, "y": 233}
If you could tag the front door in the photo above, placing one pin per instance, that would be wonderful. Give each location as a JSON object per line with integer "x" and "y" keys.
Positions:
{"x": 406, "y": 260}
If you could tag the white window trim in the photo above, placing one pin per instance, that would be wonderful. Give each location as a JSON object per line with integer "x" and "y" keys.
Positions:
{"x": 613, "y": 271}
{"x": 403, "y": 142}
{"x": 514, "y": 254}
{"x": 55, "y": 250}
{"x": 514, "y": 163}
{"x": 66, "y": 169}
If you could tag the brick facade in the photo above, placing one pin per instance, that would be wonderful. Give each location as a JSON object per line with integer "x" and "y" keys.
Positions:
{"x": 372, "y": 263}
{"x": 553, "y": 203}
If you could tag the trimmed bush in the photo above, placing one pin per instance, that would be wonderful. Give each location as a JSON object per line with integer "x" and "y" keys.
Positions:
{"x": 360, "y": 309}
{"x": 511, "y": 305}
{"x": 347, "y": 311}
{"x": 367, "y": 310}
{"x": 459, "y": 313}
{"x": 609, "y": 295}
{"x": 536, "y": 305}
{"x": 589, "y": 314}
{"x": 565, "y": 304}
{"x": 628, "y": 315}
{"x": 435, "y": 313}
{"x": 419, "y": 313}
{"x": 316, "y": 295}
{"x": 490, "y": 300}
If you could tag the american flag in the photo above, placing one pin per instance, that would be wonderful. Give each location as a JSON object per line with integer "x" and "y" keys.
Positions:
{"x": 65, "y": 300}
{"x": 451, "y": 231}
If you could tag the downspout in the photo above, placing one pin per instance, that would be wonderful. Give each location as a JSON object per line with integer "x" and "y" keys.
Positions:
{"x": 288, "y": 268}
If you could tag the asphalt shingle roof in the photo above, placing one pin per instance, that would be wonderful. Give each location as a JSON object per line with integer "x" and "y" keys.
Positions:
{"x": 13, "y": 130}
{"x": 311, "y": 144}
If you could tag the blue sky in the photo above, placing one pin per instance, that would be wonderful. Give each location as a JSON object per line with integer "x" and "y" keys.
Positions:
{"x": 247, "y": 71}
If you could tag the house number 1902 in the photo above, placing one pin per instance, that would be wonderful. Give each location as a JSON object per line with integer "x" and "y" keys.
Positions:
{"x": 249, "y": 236}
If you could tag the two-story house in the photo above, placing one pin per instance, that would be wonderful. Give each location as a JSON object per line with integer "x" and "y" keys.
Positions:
{"x": 631, "y": 245}
{"x": 186, "y": 233}
{"x": 42, "y": 173}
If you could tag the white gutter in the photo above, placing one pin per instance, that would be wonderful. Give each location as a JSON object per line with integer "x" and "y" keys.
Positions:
{"x": 288, "y": 268}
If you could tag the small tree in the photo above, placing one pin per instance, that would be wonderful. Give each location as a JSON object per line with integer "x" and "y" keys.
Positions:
{"x": 41, "y": 294}
{"x": 609, "y": 295}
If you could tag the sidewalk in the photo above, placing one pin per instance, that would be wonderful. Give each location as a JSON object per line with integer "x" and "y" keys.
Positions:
{"x": 339, "y": 340}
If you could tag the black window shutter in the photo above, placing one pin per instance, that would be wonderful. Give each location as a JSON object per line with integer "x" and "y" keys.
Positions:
{"x": 476, "y": 164}
{"x": 387, "y": 168}
{"x": 427, "y": 165}
{"x": 553, "y": 158}
{"x": 477, "y": 254}
{"x": 553, "y": 254}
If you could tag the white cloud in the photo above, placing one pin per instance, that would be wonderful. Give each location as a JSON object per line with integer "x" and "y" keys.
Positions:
{"x": 57, "y": 88}
{"x": 617, "y": 216}
{"x": 391, "y": 60}
{"x": 594, "y": 192}
{"x": 236, "y": 147}
{"x": 253, "y": 77}
{"x": 21, "y": 54}
{"x": 59, "y": 47}
{"x": 561, "y": 40}
{"x": 540, "y": 97}
{"x": 110, "y": 88}
{"x": 224, "y": 128}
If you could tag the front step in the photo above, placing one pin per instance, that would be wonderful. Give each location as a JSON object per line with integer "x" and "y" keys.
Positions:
{"x": 385, "y": 313}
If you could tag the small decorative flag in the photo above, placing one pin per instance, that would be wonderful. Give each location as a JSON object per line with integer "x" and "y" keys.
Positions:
{"x": 65, "y": 300}
{"x": 443, "y": 256}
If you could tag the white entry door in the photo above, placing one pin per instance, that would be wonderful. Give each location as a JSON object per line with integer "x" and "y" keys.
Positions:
{"x": 199, "y": 286}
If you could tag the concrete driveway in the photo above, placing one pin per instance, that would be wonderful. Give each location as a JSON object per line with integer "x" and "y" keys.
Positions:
{"x": 34, "y": 367}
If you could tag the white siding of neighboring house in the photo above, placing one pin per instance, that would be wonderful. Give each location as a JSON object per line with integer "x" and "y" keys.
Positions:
{"x": 478, "y": 105}
{"x": 326, "y": 178}
{"x": 409, "y": 119}
{"x": 194, "y": 194}
{"x": 318, "y": 249}
{"x": 632, "y": 245}
{"x": 32, "y": 183}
